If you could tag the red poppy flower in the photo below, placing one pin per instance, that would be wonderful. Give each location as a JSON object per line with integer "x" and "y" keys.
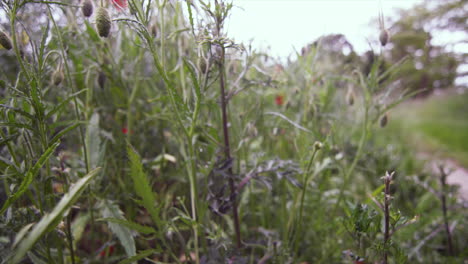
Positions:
{"x": 107, "y": 251}
{"x": 125, "y": 130}
{"x": 119, "y": 4}
{"x": 279, "y": 100}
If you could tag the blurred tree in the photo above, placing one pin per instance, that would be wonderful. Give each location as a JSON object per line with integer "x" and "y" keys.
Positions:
{"x": 429, "y": 66}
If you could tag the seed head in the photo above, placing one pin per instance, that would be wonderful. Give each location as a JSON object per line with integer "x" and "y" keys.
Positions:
{"x": 5, "y": 40}
{"x": 57, "y": 76}
{"x": 103, "y": 22}
{"x": 87, "y": 8}
{"x": 384, "y": 36}
{"x": 384, "y": 120}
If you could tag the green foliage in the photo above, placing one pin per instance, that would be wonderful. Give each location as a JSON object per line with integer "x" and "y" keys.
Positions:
{"x": 52, "y": 219}
{"x": 157, "y": 103}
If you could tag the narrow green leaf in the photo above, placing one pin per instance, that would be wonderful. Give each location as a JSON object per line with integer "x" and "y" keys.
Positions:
{"x": 189, "y": 8}
{"x": 47, "y": 220}
{"x": 16, "y": 125}
{"x": 63, "y": 132}
{"x": 63, "y": 103}
{"x": 141, "y": 184}
{"x": 189, "y": 66}
{"x": 18, "y": 111}
{"x": 132, "y": 225}
{"x": 29, "y": 176}
{"x": 141, "y": 255}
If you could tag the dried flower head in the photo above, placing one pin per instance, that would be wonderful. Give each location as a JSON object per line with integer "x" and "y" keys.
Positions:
{"x": 103, "y": 22}
{"x": 5, "y": 41}
{"x": 87, "y": 8}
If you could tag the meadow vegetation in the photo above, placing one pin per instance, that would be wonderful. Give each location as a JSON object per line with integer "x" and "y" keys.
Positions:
{"x": 139, "y": 132}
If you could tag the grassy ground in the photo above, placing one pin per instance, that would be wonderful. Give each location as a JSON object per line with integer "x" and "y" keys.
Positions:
{"x": 437, "y": 125}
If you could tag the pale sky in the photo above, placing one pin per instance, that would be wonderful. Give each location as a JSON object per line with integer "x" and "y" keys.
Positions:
{"x": 286, "y": 24}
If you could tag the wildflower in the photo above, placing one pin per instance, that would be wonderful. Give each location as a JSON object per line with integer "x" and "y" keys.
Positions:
{"x": 125, "y": 130}
{"x": 5, "y": 41}
{"x": 119, "y": 4}
{"x": 107, "y": 251}
{"x": 279, "y": 100}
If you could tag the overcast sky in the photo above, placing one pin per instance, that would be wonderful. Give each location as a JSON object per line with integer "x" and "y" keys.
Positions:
{"x": 286, "y": 24}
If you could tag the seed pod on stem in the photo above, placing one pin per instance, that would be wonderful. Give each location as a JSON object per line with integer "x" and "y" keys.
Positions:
{"x": 350, "y": 96}
{"x": 384, "y": 120}
{"x": 102, "y": 79}
{"x": 384, "y": 36}
{"x": 87, "y": 8}
{"x": 57, "y": 76}
{"x": 103, "y": 22}
{"x": 5, "y": 41}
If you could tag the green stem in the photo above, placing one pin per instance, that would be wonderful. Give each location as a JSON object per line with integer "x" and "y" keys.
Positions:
{"x": 356, "y": 158}
{"x": 306, "y": 180}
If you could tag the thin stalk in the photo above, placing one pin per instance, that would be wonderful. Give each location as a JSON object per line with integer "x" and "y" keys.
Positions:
{"x": 356, "y": 158}
{"x": 443, "y": 199}
{"x": 387, "y": 180}
{"x": 227, "y": 148}
{"x": 305, "y": 182}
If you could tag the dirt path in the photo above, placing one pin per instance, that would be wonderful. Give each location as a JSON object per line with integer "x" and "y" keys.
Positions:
{"x": 457, "y": 176}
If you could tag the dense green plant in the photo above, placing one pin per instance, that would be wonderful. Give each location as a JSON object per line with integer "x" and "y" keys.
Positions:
{"x": 209, "y": 152}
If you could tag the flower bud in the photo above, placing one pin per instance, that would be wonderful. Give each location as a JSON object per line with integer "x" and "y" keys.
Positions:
{"x": 350, "y": 96}
{"x": 384, "y": 36}
{"x": 204, "y": 67}
{"x": 5, "y": 41}
{"x": 318, "y": 145}
{"x": 57, "y": 76}
{"x": 102, "y": 79}
{"x": 103, "y": 22}
{"x": 87, "y": 8}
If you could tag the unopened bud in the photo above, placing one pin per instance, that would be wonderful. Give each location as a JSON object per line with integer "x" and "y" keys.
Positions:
{"x": 384, "y": 120}
{"x": 384, "y": 36}
{"x": 318, "y": 145}
{"x": 103, "y": 22}
{"x": 5, "y": 41}
{"x": 87, "y": 8}
{"x": 57, "y": 76}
